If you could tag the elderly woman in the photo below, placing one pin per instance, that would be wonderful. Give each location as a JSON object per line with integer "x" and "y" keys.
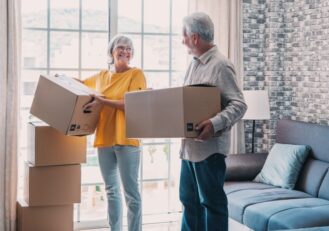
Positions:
{"x": 117, "y": 155}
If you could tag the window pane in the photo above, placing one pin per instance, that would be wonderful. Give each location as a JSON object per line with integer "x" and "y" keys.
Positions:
{"x": 178, "y": 12}
{"x": 93, "y": 204}
{"x": 28, "y": 87}
{"x": 34, "y": 13}
{"x": 64, "y": 14}
{"x": 34, "y": 48}
{"x": 23, "y": 120}
{"x": 155, "y": 197}
{"x": 156, "y": 52}
{"x": 87, "y": 74}
{"x": 95, "y": 15}
{"x": 179, "y": 54}
{"x": 94, "y": 50}
{"x": 157, "y": 80}
{"x": 155, "y": 161}
{"x": 64, "y": 49}
{"x": 90, "y": 173}
{"x": 175, "y": 166}
{"x": 129, "y": 16}
{"x": 72, "y": 74}
{"x": 156, "y": 16}
{"x": 155, "y": 140}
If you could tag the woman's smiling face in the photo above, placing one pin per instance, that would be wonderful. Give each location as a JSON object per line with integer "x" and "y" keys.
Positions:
{"x": 122, "y": 53}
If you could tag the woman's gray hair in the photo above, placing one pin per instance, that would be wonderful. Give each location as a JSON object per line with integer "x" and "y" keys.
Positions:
{"x": 199, "y": 23}
{"x": 118, "y": 40}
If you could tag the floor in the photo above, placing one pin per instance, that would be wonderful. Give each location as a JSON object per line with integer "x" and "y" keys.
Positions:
{"x": 152, "y": 227}
{"x": 175, "y": 226}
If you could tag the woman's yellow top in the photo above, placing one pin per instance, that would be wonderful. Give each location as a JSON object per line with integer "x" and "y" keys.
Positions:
{"x": 111, "y": 128}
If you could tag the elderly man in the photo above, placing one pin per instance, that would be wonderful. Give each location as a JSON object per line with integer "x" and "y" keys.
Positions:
{"x": 203, "y": 159}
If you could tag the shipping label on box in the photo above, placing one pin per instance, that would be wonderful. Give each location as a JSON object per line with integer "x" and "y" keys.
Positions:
{"x": 59, "y": 102}
{"x": 47, "y": 146}
{"x": 52, "y": 185}
{"x": 171, "y": 112}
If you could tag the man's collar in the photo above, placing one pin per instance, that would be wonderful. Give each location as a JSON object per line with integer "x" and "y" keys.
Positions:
{"x": 204, "y": 58}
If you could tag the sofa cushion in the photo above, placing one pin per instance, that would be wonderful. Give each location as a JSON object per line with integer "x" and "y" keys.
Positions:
{"x": 283, "y": 165}
{"x": 311, "y": 176}
{"x": 324, "y": 189}
{"x": 244, "y": 166}
{"x": 258, "y": 216}
{"x": 239, "y": 200}
{"x": 300, "y": 218}
{"x": 323, "y": 228}
{"x": 233, "y": 186}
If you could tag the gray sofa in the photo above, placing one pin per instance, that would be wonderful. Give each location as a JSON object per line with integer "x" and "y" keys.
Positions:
{"x": 264, "y": 207}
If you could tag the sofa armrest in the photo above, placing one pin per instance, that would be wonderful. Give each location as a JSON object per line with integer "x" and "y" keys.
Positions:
{"x": 244, "y": 166}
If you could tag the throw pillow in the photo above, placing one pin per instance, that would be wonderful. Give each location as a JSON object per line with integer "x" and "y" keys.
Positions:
{"x": 283, "y": 165}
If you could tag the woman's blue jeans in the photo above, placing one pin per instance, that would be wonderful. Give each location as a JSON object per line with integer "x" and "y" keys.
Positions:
{"x": 123, "y": 161}
{"x": 202, "y": 194}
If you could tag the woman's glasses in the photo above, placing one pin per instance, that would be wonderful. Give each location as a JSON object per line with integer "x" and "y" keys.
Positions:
{"x": 123, "y": 48}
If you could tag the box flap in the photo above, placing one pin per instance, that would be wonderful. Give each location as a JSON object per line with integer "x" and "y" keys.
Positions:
{"x": 38, "y": 123}
{"x": 22, "y": 202}
{"x": 72, "y": 85}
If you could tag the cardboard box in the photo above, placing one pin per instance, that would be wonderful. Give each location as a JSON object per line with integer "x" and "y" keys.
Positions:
{"x": 44, "y": 218}
{"x": 59, "y": 102}
{"x": 47, "y": 146}
{"x": 171, "y": 112}
{"x": 52, "y": 185}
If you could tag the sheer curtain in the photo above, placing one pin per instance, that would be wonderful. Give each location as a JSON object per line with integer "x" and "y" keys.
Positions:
{"x": 9, "y": 84}
{"x": 227, "y": 18}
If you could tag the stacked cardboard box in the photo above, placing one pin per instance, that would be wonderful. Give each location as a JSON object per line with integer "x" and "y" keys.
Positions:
{"x": 44, "y": 218}
{"x": 52, "y": 181}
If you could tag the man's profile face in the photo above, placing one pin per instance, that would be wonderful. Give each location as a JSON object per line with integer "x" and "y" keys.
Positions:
{"x": 187, "y": 41}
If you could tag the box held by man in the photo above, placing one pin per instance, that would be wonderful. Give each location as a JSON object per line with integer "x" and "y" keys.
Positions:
{"x": 170, "y": 112}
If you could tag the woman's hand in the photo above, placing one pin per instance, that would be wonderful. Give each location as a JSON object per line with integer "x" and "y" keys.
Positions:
{"x": 99, "y": 101}
{"x": 96, "y": 102}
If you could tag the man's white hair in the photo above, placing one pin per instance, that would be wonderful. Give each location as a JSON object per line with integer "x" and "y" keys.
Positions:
{"x": 199, "y": 23}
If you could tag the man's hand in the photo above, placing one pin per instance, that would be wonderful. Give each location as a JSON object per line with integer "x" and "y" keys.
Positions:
{"x": 206, "y": 130}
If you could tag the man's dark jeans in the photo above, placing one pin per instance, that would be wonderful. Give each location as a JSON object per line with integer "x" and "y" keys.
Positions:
{"x": 202, "y": 194}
